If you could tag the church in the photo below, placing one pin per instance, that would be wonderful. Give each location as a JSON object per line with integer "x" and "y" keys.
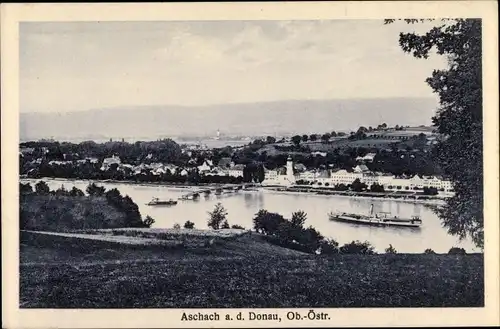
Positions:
{"x": 281, "y": 176}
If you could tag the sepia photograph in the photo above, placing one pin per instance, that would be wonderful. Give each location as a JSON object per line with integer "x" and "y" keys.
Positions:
{"x": 256, "y": 164}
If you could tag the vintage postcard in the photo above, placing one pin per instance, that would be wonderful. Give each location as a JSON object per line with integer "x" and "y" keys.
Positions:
{"x": 250, "y": 164}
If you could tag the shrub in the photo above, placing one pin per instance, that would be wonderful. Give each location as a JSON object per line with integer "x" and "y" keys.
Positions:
{"x": 94, "y": 190}
{"x": 390, "y": 250}
{"x": 177, "y": 226}
{"x": 456, "y": 251}
{"x": 329, "y": 247}
{"x": 41, "y": 188}
{"x": 148, "y": 221}
{"x": 189, "y": 225}
{"x": 357, "y": 247}
{"x": 25, "y": 188}
{"x": 237, "y": 227}
{"x": 429, "y": 251}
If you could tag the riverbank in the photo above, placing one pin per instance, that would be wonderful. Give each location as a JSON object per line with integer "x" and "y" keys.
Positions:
{"x": 393, "y": 196}
{"x": 243, "y": 272}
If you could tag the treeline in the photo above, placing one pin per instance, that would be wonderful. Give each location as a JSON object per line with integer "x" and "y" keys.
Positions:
{"x": 164, "y": 150}
{"x": 66, "y": 210}
{"x": 252, "y": 173}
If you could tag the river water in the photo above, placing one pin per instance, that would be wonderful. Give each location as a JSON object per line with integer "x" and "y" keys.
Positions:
{"x": 243, "y": 205}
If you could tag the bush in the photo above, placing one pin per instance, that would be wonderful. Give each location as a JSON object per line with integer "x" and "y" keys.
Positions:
{"x": 177, "y": 226}
{"x": 237, "y": 227}
{"x": 429, "y": 251}
{"x": 390, "y": 250}
{"x": 357, "y": 247}
{"x": 456, "y": 251}
{"x": 148, "y": 221}
{"x": 329, "y": 247}
{"x": 189, "y": 225}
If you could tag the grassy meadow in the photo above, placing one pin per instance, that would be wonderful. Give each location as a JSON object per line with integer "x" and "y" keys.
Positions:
{"x": 243, "y": 272}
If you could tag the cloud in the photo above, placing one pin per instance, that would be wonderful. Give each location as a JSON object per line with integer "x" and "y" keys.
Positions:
{"x": 70, "y": 66}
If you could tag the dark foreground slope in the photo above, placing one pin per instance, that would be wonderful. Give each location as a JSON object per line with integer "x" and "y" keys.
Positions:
{"x": 247, "y": 272}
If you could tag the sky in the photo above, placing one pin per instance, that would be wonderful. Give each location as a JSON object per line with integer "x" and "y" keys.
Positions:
{"x": 75, "y": 66}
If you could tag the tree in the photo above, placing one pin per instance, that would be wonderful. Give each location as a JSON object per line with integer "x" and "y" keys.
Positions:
{"x": 260, "y": 175}
{"x": 305, "y": 138}
{"x": 313, "y": 137}
{"x": 148, "y": 221}
{"x": 298, "y": 219}
{"x": 42, "y": 188}
{"x": 390, "y": 250}
{"x": 217, "y": 216}
{"x": 333, "y": 134}
{"x": 325, "y": 138}
{"x": 357, "y": 247}
{"x": 76, "y": 192}
{"x": 376, "y": 188}
{"x": 429, "y": 251}
{"x": 266, "y": 222}
{"x": 189, "y": 225}
{"x": 458, "y": 119}
{"x": 270, "y": 140}
{"x": 225, "y": 225}
{"x": 357, "y": 186}
{"x": 25, "y": 188}
{"x": 237, "y": 227}
{"x": 296, "y": 140}
{"x": 94, "y": 190}
{"x": 456, "y": 251}
{"x": 177, "y": 226}
{"x": 329, "y": 247}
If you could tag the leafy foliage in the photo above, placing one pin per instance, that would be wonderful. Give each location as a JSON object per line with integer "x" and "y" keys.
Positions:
{"x": 456, "y": 251}
{"x": 94, "y": 190}
{"x": 291, "y": 233}
{"x": 42, "y": 188}
{"x": 148, "y": 221}
{"x": 217, "y": 217}
{"x": 459, "y": 118}
{"x": 62, "y": 209}
{"x": 357, "y": 247}
{"x": 189, "y": 224}
{"x": 390, "y": 250}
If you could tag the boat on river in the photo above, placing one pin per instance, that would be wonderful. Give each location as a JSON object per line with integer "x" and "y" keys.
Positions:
{"x": 378, "y": 219}
{"x": 158, "y": 202}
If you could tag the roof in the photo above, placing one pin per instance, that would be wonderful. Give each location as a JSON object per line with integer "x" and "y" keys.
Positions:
{"x": 225, "y": 162}
{"x": 300, "y": 167}
{"x": 237, "y": 167}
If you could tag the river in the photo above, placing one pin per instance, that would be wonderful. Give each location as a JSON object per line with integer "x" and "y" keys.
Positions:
{"x": 242, "y": 206}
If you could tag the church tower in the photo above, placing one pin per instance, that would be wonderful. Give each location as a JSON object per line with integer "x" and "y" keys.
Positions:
{"x": 290, "y": 176}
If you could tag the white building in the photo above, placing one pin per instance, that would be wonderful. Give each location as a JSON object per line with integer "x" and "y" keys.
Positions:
{"x": 336, "y": 177}
{"x": 205, "y": 167}
{"x": 273, "y": 177}
{"x": 236, "y": 170}
{"x": 367, "y": 158}
{"x": 107, "y": 162}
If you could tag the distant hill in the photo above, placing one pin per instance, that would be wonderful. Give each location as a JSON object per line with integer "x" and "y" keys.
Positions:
{"x": 265, "y": 118}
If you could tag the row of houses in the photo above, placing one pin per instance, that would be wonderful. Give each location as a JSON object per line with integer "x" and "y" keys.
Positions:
{"x": 289, "y": 175}
{"x": 225, "y": 167}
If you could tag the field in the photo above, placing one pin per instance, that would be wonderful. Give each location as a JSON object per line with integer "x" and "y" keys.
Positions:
{"x": 242, "y": 272}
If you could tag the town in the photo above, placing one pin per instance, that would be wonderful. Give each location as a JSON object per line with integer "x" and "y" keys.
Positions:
{"x": 375, "y": 159}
